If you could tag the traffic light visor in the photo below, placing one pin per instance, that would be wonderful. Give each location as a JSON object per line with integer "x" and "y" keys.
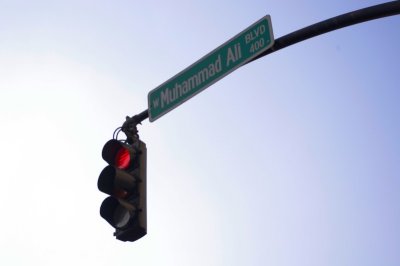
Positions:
{"x": 117, "y": 213}
{"x": 116, "y": 182}
{"x": 118, "y": 154}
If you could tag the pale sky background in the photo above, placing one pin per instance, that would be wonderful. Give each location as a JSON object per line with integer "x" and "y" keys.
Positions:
{"x": 291, "y": 160}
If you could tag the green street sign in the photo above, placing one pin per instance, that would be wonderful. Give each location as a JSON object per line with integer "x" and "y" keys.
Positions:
{"x": 212, "y": 67}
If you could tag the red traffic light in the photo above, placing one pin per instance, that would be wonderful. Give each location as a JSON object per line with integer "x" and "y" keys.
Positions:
{"x": 119, "y": 154}
{"x": 123, "y": 158}
{"x": 124, "y": 179}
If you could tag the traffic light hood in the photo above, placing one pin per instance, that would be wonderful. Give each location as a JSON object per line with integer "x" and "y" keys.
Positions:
{"x": 119, "y": 154}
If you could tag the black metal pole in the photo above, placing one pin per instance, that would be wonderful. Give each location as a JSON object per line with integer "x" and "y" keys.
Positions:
{"x": 348, "y": 19}
{"x": 143, "y": 115}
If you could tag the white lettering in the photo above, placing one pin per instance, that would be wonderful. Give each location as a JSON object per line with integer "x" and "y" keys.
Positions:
{"x": 230, "y": 58}
{"x": 255, "y": 33}
{"x": 165, "y": 97}
{"x": 156, "y": 102}
{"x": 168, "y": 96}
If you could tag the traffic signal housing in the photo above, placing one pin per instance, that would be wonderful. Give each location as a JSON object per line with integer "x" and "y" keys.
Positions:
{"x": 124, "y": 180}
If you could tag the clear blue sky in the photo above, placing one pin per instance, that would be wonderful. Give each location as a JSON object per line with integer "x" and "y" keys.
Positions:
{"x": 293, "y": 159}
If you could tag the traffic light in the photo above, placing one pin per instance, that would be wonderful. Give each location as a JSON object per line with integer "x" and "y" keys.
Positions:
{"x": 124, "y": 179}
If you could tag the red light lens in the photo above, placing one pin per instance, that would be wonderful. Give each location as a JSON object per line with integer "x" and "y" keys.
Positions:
{"x": 122, "y": 159}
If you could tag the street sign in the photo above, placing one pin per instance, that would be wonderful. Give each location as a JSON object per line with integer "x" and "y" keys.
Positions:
{"x": 212, "y": 67}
